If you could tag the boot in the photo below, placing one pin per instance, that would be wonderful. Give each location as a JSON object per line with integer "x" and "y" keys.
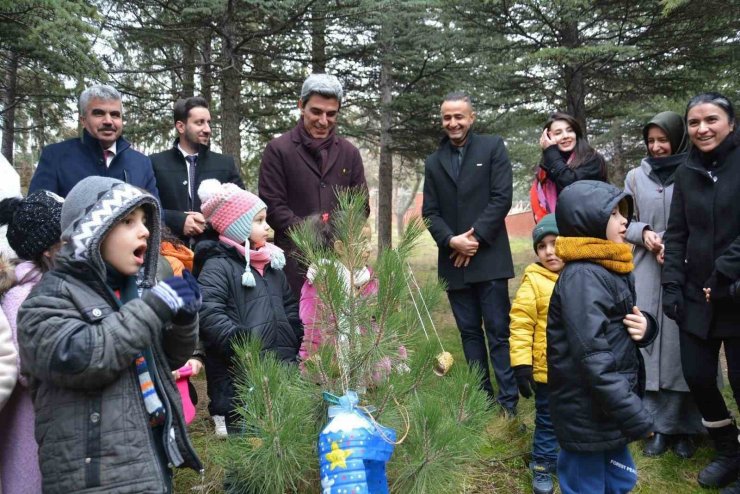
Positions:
{"x": 724, "y": 468}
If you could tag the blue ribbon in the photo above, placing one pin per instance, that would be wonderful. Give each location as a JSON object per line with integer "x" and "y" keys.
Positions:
{"x": 346, "y": 403}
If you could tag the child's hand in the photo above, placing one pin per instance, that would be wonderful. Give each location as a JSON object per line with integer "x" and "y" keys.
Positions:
{"x": 636, "y": 324}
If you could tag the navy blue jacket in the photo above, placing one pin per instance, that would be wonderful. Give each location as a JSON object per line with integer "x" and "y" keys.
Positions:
{"x": 65, "y": 163}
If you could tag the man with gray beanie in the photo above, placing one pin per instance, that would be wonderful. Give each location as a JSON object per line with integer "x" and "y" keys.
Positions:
{"x": 302, "y": 169}
{"x": 100, "y": 150}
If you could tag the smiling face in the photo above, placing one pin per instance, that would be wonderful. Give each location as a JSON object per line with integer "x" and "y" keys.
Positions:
{"x": 658, "y": 143}
{"x": 103, "y": 119}
{"x": 319, "y": 115}
{"x": 197, "y": 129}
{"x": 708, "y": 125}
{"x": 546, "y": 254}
{"x": 616, "y": 228}
{"x": 260, "y": 229}
{"x": 563, "y": 134}
{"x": 457, "y": 118}
{"x": 125, "y": 244}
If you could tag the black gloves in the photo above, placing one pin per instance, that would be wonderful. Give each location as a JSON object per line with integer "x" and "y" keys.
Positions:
{"x": 673, "y": 301}
{"x": 524, "y": 380}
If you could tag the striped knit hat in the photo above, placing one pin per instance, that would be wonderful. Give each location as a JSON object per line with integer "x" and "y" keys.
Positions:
{"x": 230, "y": 210}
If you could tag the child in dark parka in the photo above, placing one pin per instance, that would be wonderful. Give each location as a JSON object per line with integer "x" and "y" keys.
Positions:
{"x": 595, "y": 370}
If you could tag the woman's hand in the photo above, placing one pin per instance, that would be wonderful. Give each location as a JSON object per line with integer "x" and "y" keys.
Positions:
{"x": 546, "y": 141}
{"x": 636, "y": 324}
{"x": 652, "y": 241}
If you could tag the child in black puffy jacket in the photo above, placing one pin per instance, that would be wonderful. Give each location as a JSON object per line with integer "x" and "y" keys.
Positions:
{"x": 245, "y": 292}
{"x": 595, "y": 370}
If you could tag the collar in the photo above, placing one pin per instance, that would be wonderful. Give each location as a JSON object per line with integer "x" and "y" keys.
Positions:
{"x": 202, "y": 149}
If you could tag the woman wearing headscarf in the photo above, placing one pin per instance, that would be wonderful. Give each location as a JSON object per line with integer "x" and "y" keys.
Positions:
{"x": 667, "y": 395}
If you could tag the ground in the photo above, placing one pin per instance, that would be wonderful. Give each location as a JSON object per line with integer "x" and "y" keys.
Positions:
{"x": 509, "y": 442}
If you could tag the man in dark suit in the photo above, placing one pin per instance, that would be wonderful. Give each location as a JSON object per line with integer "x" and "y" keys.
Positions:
{"x": 100, "y": 150}
{"x": 302, "y": 169}
{"x": 181, "y": 169}
{"x": 467, "y": 195}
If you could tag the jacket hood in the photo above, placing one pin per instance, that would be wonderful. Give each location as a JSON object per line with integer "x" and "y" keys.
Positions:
{"x": 91, "y": 209}
{"x": 537, "y": 268}
{"x": 673, "y": 125}
{"x": 211, "y": 249}
{"x": 584, "y": 208}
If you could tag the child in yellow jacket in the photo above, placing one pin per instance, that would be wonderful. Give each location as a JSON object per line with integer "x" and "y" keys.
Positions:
{"x": 528, "y": 345}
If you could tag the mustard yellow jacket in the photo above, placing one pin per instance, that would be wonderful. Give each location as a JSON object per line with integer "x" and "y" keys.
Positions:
{"x": 528, "y": 340}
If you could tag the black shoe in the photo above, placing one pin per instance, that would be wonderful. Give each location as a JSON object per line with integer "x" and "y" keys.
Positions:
{"x": 723, "y": 469}
{"x": 733, "y": 488}
{"x": 656, "y": 445}
{"x": 684, "y": 446}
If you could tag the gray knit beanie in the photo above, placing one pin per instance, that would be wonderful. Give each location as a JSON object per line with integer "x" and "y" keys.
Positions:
{"x": 323, "y": 84}
{"x": 93, "y": 207}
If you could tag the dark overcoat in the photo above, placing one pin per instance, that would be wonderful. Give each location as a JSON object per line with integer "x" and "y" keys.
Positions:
{"x": 171, "y": 172}
{"x": 703, "y": 235}
{"x": 479, "y": 198}
{"x": 63, "y": 164}
{"x": 293, "y": 187}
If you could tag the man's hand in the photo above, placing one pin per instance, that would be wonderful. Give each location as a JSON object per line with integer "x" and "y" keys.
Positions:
{"x": 652, "y": 241}
{"x": 460, "y": 260}
{"x": 465, "y": 243}
{"x": 195, "y": 224}
{"x": 636, "y": 324}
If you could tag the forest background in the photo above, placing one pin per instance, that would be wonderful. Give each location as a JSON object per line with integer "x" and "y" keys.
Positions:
{"x": 611, "y": 63}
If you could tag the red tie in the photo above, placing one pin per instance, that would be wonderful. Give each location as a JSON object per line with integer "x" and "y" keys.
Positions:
{"x": 107, "y": 153}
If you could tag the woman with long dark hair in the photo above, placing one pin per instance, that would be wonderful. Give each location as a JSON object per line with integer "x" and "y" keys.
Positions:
{"x": 566, "y": 157}
{"x": 701, "y": 273}
{"x": 667, "y": 396}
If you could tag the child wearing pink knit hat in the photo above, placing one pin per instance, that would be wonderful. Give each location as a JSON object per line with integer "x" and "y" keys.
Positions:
{"x": 245, "y": 292}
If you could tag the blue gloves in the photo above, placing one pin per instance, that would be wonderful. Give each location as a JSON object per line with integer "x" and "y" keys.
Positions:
{"x": 182, "y": 295}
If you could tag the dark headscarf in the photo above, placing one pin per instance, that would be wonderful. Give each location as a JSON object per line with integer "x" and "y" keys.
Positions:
{"x": 675, "y": 128}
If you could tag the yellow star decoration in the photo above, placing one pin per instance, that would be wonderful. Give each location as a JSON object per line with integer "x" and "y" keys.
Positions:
{"x": 337, "y": 456}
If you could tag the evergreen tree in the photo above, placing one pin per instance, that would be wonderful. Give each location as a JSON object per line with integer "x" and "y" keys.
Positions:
{"x": 437, "y": 420}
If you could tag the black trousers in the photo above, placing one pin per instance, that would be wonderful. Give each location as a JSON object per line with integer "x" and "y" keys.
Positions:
{"x": 486, "y": 304}
{"x": 699, "y": 359}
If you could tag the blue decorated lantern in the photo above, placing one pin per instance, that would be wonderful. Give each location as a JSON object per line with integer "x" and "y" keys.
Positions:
{"x": 353, "y": 449}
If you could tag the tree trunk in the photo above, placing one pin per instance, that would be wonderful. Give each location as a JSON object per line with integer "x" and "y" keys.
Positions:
{"x": 318, "y": 42}
{"x": 231, "y": 84}
{"x": 11, "y": 86}
{"x": 206, "y": 71}
{"x": 575, "y": 88}
{"x": 188, "y": 69}
{"x": 385, "y": 166}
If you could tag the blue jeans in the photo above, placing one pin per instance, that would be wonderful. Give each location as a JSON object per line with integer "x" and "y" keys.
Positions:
{"x": 486, "y": 304}
{"x": 544, "y": 443}
{"x": 610, "y": 472}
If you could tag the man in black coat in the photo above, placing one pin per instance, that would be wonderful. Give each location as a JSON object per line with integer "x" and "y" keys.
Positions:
{"x": 467, "y": 195}
{"x": 181, "y": 169}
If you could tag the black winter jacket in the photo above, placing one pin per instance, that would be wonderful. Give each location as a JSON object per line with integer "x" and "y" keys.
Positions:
{"x": 562, "y": 175}
{"x": 703, "y": 235}
{"x": 230, "y": 311}
{"x": 595, "y": 371}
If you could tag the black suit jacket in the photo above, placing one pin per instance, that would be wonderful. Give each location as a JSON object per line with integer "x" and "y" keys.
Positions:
{"x": 171, "y": 172}
{"x": 479, "y": 198}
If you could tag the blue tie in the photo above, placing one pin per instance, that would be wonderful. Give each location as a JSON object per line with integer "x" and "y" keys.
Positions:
{"x": 192, "y": 161}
